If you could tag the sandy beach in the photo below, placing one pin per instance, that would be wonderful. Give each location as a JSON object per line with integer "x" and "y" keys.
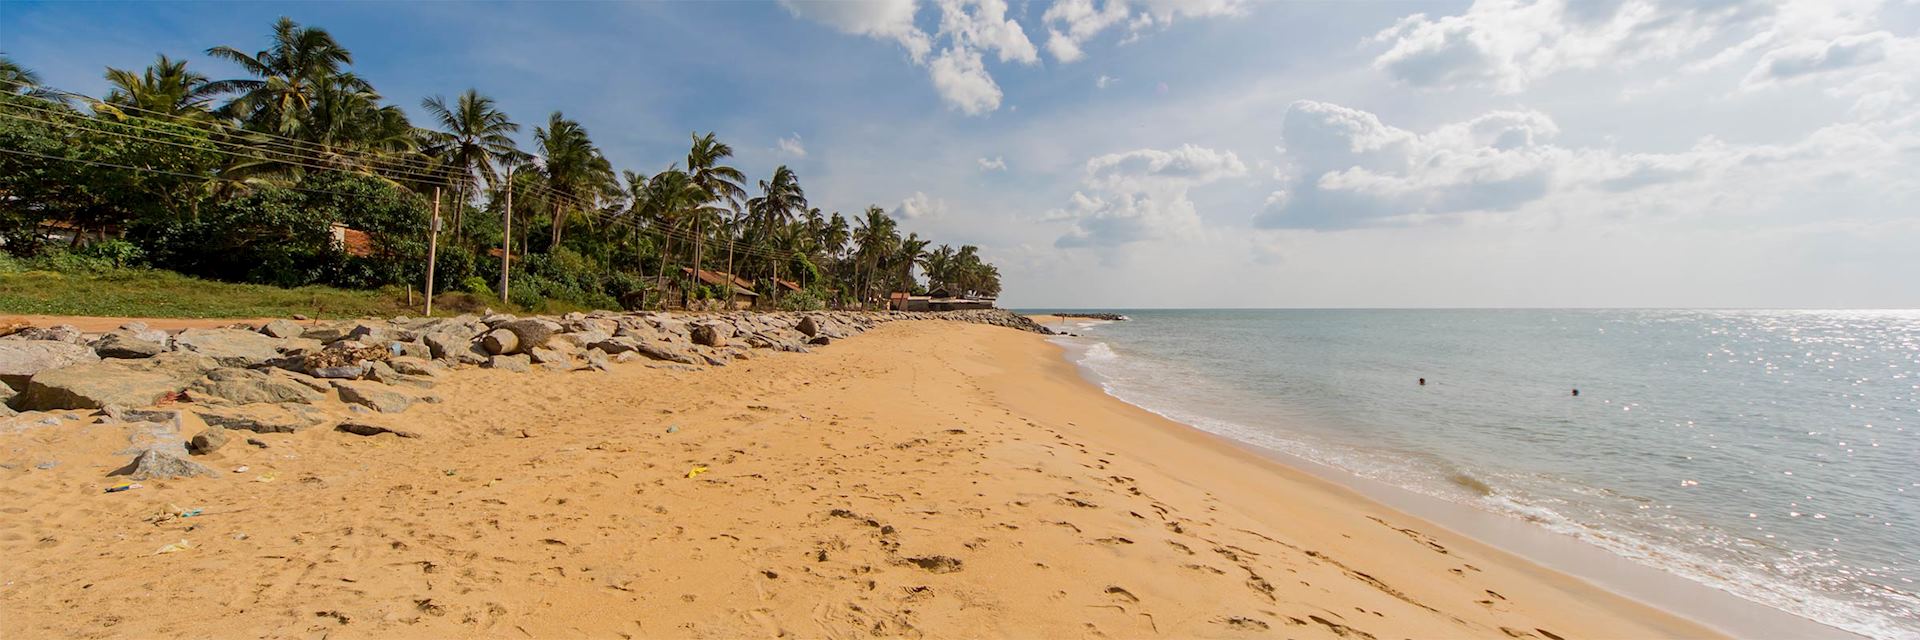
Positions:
{"x": 925, "y": 478}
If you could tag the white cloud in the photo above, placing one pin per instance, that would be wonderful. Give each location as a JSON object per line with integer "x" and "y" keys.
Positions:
{"x": 791, "y": 146}
{"x": 1508, "y": 44}
{"x": 919, "y": 206}
{"x": 883, "y": 19}
{"x": 984, "y": 25}
{"x": 1813, "y": 57}
{"x": 1141, "y": 195}
{"x": 996, "y": 164}
{"x": 1104, "y": 81}
{"x": 962, "y": 80}
{"x": 1071, "y": 23}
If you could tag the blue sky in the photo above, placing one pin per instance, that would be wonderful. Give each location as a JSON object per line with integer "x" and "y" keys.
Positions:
{"x": 1216, "y": 152}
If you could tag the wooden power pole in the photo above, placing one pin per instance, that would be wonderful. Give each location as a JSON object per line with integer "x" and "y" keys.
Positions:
{"x": 433, "y": 248}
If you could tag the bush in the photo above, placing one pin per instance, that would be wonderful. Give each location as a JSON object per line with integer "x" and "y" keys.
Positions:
{"x": 476, "y": 285}
{"x": 803, "y": 300}
{"x": 119, "y": 252}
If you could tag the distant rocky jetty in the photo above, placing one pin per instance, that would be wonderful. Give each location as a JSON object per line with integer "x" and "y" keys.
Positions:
{"x": 287, "y": 376}
{"x": 1092, "y": 315}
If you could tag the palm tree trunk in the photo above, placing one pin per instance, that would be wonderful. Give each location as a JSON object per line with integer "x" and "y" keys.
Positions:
{"x": 699, "y": 235}
{"x": 558, "y": 221}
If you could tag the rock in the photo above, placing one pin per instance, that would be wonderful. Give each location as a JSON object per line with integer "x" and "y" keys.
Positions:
{"x": 616, "y": 345}
{"x": 666, "y": 351}
{"x": 383, "y": 373}
{"x": 416, "y": 366}
{"x": 22, "y": 359}
{"x": 262, "y": 418}
{"x": 627, "y": 356}
{"x": 247, "y": 386}
{"x": 543, "y": 355}
{"x": 159, "y": 464}
{"x": 514, "y": 363}
{"x": 325, "y": 332}
{"x": 373, "y": 395}
{"x": 230, "y": 347}
{"x": 367, "y": 332}
{"x": 711, "y": 334}
{"x": 57, "y": 333}
{"x": 807, "y": 326}
{"x": 446, "y": 344}
{"x": 95, "y": 385}
{"x": 301, "y": 379}
{"x": 820, "y": 340}
{"x": 364, "y": 429}
{"x": 501, "y": 342}
{"x": 283, "y": 329}
{"x": 582, "y": 339}
{"x": 343, "y": 372}
{"x": 207, "y": 441}
{"x": 531, "y": 332}
{"x": 596, "y": 360}
{"x": 301, "y": 318}
{"x": 127, "y": 345}
{"x": 257, "y": 442}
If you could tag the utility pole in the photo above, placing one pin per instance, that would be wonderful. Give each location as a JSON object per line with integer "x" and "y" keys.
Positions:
{"x": 506, "y": 240}
{"x": 433, "y": 248}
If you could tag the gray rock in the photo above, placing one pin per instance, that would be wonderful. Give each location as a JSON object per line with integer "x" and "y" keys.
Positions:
{"x": 514, "y": 363}
{"x": 582, "y": 339}
{"x": 230, "y": 347}
{"x": 326, "y": 332}
{"x": 262, "y": 418}
{"x": 596, "y": 360}
{"x": 446, "y": 344}
{"x": 57, "y": 333}
{"x": 128, "y": 345}
{"x": 807, "y": 326}
{"x": 667, "y": 351}
{"x": 616, "y": 345}
{"x": 247, "y": 386}
{"x": 820, "y": 340}
{"x": 373, "y": 395}
{"x": 383, "y": 373}
{"x": 283, "y": 328}
{"x": 543, "y": 355}
{"x": 711, "y": 334}
{"x": 342, "y": 372}
{"x": 207, "y": 441}
{"x": 160, "y": 464}
{"x": 415, "y": 366}
{"x": 301, "y": 379}
{"x": 368, "y": 332}
{"x": 501, "y": 342}
{"x": 95, "y": 385}
{"x": 22, "y": 359}
{"x": 365, "y": 429}
{"x": 531, "y": 332}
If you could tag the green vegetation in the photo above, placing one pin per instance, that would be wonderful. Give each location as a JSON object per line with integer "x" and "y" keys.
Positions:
{"x": 251, "y": 180}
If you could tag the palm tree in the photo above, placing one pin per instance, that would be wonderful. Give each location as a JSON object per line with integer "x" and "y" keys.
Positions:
{"x": 721, "y": 184}
{"x": 939, "y": 267}
{"x": 877, "y": 236}
{"x": 906, "y": 254}
{"x": 166, "y": 89}
{"x": 780, "y": 198}
{"x": 21, "y": 81}
{"x": 287, "y": 76}
{"x": 474, "y": 137}
{"x": 575, "y": 170}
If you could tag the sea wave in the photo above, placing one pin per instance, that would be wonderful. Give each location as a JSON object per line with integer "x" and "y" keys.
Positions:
{"x": 1143, "y": 384}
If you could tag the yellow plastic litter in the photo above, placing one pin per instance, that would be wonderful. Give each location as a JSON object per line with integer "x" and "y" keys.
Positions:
{"x": 265, "y": 477}
{"x": 182, "y": 545}
{"x": 696, "y": 471}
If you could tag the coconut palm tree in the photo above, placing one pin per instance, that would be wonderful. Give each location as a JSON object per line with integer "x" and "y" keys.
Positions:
{"x": 722, "y": 183}
{"x": 287, "y": 77}
{"x": 166, "y": 90}
{"x": 780, "y": 198}
{"x": 907, "y": 253}
{"x": 939, "y": 265}
{"x": 575, "y": 170}
{"x": 473, "y": 137}
{"x": 877, "y": 236}
{"x": 21, "y": 81}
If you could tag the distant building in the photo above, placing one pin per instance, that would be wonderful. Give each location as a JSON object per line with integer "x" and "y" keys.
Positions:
{"x": 743, "y": 296}
{"x": 350, "y": 241}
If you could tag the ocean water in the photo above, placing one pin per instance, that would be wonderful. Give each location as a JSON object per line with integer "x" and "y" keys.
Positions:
{"x": 1771, "y": 454}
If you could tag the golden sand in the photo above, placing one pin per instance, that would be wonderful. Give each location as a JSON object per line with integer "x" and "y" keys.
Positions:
{"x": 923, "y": 479}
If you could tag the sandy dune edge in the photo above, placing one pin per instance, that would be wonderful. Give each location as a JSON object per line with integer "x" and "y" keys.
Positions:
{"x": 924, "y": 479}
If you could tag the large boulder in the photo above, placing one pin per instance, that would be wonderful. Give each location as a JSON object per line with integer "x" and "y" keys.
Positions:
{"x": 667, "y": 351}
{"x": 95, "y": 385}
{"x": 283, "y": 329}
{"x": 23, "y": 359}
{"x": 207, "y": 441}
{"x": 373, "y": 395}
{"x": 501, "y": 342}
{"x": 711, "y": 334}
{"x": 247, "y": 386}
{"x": 262, "y": 418}
{"x": 159, "y": 464}
{"x": 230, "y": 347}
{"x": 531, "y": 332}
{"x": 808, "y": 326}
{"x": 58, "y": 333}
{"x": 516, "y": 363}
{"x": 128, "y": 345}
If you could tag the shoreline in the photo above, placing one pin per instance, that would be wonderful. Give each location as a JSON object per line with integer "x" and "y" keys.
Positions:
{"x": 1709, "y": 606}
{"x": 922, "y": 478}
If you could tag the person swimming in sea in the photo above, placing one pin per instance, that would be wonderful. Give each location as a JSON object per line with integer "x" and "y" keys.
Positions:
{"x": 1576, "y": 393}
{"x": 1423, "y": 382}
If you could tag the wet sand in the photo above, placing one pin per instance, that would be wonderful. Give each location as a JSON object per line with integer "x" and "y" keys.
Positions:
{"x": 923, "y": 479}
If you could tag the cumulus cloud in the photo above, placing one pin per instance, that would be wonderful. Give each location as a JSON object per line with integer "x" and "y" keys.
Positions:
{"x": 1141, "y": 195}
{"x": 791, "y": 146}
{"x": 970, "y": 28}
{"x": 919, "y": 205}
{"x": 1813, "y": 57}
{"x": 882, "y": 19}
{"x": 1071, "y": 23}
{"x": 1104, "y": 81}
{"x": 1508, "y": 44}
{"x": 996, "y": 164}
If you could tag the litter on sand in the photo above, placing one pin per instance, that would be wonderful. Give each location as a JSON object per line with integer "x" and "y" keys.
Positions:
{"x": 696, "y": 471}
{"x": 265, "y": 477}
{"x": 241, "y": 469}
{"x": 124, "y": 486}
{"x": 182, "y": 545}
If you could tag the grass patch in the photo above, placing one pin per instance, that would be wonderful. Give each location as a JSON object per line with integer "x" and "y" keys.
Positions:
{"x": 149, "y": 293}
